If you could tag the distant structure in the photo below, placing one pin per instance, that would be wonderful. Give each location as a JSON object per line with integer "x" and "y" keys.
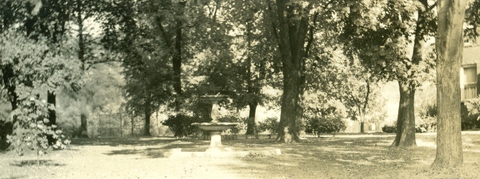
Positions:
{"x": 469, "y": 75}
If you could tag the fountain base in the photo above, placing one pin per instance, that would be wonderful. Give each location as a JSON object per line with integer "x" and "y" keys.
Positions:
{"x": 215, "y": 130}
{"x": 215, "y": 142}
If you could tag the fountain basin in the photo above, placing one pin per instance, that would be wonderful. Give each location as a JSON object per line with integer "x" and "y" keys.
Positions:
{"x": 213, "y": 126}
{"x": 215, "y": 129}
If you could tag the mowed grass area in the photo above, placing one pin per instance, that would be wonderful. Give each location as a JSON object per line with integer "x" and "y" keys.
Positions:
{"x": 342, "y": 156}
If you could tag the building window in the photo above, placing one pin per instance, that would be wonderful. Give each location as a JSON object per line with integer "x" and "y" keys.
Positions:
{"x": 469, "y": 81}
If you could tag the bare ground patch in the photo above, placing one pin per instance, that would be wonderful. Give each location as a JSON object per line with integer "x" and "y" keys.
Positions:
{"x": 343, "y": 156}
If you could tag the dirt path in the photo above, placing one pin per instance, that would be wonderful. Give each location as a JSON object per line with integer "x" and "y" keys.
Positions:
{"x": 347, "y": 156}
{"x": 99, "y": 162}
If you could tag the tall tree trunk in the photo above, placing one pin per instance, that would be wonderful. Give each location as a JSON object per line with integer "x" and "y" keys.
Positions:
{"x": 81, "y": 56}
{"x": 8, "y": 74}
{"x": 449, "y": 44}
{"x": 52, "y": 115}
{"x": 406, "y": 112}
{"x": 177, "y": 56}
{"x": 148, "y": 114}
{"x": 406, "y": 117}
{"x": 362, "y": 119}
{"x": 83, "y": 129}
{"x": 251, "y": 130}
{"x": 251, "y": 126}
{"x": 363, "y": 109}
{"x": 292, "y": 32}
{"x": 13, "y": 98}
{"x": 290, "y": 104}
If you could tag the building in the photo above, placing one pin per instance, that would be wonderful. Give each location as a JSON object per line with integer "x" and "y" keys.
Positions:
{"x": 469, "y": 74}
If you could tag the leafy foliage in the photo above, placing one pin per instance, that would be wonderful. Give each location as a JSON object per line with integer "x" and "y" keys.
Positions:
{"x": 326, "y": 118}
{"x": 6, "y": 128}
{"x": 472, "y": 19}
{"x": 31, "y": 129}
{"x": 181, "y": 124}
{"x": 36, "y": 69}
{"x": 327, "y": 124}
{"x": 270, "y": 125}
{"x": 470, "y": 113}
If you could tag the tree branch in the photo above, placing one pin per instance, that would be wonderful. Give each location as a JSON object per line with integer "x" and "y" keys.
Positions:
{"x": 432, "y": 6}
{"x": 274, "y": 27}
{"x": 163, "y": 32}
{"x": 310, "y": 40}
{"x": 365, "y": 104}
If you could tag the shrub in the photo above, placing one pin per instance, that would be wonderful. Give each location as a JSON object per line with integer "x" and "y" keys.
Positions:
{"x": 425, "y": 123}
{"x": 5, "y": 129}
{"x": 427, "y": 119}
{"x": 32, "y": 129}
{"x": 270, "y": 125}
{"x": 328, "y": 124}
{"x": 470, "y": 113}
{"x": 389, "y": 129}
{"x": 181, "y": 125}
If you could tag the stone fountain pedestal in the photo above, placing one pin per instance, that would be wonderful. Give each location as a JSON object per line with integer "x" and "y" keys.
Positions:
{"x": 215, "y": 128}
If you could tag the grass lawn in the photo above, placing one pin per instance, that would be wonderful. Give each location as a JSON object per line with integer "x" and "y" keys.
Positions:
{"x": 342, "y": 156}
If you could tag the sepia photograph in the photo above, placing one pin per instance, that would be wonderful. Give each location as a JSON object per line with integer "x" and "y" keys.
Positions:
{"x": 239, "y": 89}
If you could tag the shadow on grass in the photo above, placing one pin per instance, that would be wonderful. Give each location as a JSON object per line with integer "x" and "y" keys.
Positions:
{"x": 337, "y": 158}
{"x": 25, "y": 163}
{"x": 123, "y": 141}
{"x": 159, "y": 152}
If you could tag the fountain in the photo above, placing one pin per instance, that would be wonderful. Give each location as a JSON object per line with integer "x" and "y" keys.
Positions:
{"x": 214, "y": 127}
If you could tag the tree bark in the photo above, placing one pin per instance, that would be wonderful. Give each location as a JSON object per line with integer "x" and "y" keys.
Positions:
{"x": 177, "y": 56}
{"x": 449, "y": 44}
{"x": 251, "y": 125}
{"x": 290, "y": 104}
{"x": 83, "y": 130}
{"x": 132, "y": 127}
{"x": 363, "y": 109}
{"x": 52, "y": 115}
{"x": 81, "y": 56}
{"x": 292, "y": 32}
{"x": 405, "y": 136}
{"x": 8, "y": 74}
{"x": 406, "y": 112}
{"x": 148, "y": 113}
{"x": 362, "y": 119}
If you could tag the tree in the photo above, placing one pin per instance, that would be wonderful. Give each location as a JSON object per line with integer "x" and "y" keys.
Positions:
{"x": 23, "y": 71}
{"x": 51, "y": 22}
{"x": 170, "y": 22}
{"x": 299, "y": 28}
{"x": 9, "y": 16}
{"x": 88, "y": 52}
{"x": 472, "y": 18}
{"x": 148, "y": 73}
{"x": 252, "y": 52}
{"x": 291, "y": 33}
{"x": 397, "y": 34}
{"x": 449, "y": 44}
{"x": 356, "y": 88}
{"x": 37, "y": 68}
